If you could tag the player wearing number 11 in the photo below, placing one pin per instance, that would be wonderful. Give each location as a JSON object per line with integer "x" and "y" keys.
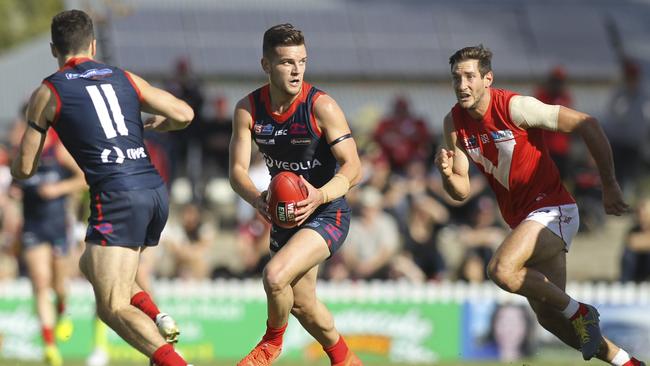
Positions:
{"x": 502, "y": 133}
{"x": 95, "y": 109}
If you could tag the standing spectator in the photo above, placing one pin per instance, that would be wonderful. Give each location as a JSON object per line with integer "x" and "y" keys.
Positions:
{"x": 554, "y": 91}
{"x": 185, "y": 143}
{"x": 215, "y": 138}
{"x": 628, "y": 125}
{"x": 635, "y": 263}
{"x": 373, "y": 240}
{"x": 403, "y": 136}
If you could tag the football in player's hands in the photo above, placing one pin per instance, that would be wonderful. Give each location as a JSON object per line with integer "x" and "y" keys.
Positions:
{"x": 285, "y": 191}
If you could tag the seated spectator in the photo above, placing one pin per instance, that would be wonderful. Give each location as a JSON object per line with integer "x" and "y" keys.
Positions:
{"x": 426, "y": 216}
{"x": 373, "y": 240}
{"x": 188, "y": 243}
{"x": 484, "y": 233}
{"x": 472, "y": 267}
{"x": 635, "y": 262}
{"x": 588, "y": 194}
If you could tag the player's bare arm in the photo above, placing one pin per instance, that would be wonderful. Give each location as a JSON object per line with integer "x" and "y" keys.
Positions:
{"x": 589, "y": 129}
{"x": 335, "y": 129}
{"x": 74, "y": 183}
{"x": 170, "y": 112}
{"x": 40, "y": 110}
{"x": 529, "y": 112}
{"x": 240, "y": 157}
{"x": 453, "y": 163}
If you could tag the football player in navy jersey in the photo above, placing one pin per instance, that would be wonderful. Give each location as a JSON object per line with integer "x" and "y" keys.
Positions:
{"x": 45, "y": 241}
{"x": 95, "y": 109}
{"x": 301, "y": 129}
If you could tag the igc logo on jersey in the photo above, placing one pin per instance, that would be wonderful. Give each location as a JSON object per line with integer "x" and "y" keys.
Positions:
{"x": 294, "y": 166}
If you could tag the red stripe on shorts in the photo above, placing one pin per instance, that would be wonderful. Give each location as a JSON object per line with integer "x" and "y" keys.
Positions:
{"x": 338, "y": 217}
{"x": 98, "y": 206}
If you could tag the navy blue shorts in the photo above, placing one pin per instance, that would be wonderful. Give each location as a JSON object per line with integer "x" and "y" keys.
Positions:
{"x": 127, "y": 218}
{"x": 47, "y": 231}
{"x": 331, "y": 221}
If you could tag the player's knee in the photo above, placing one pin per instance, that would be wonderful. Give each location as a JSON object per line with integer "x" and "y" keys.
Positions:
{"x": 41, "y": 285}
{"x": 274, "y": 279}
{"x": 502, "y": 275}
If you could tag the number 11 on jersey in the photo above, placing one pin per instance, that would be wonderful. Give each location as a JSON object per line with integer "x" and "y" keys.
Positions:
{"x": 102, "y": 110}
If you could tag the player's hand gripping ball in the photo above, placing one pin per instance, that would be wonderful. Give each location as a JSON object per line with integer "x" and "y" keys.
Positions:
{"x": 285, "y": 191}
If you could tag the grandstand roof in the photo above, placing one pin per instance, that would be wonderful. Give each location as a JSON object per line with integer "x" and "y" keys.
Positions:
{"x": 377, "y": 39}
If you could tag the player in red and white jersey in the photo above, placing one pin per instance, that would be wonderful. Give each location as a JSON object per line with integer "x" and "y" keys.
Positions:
{"x": 502, "y": 133}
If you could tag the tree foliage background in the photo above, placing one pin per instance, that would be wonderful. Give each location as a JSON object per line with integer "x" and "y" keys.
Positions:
{"x": 21, "y": 20}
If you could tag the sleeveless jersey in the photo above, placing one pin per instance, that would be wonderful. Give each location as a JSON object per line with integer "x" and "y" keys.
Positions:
{"x": 292, "y": 141}
{"x": 98, "y": 120}
{"x": 49, "y": 171}
{"x": 514, "y": 160}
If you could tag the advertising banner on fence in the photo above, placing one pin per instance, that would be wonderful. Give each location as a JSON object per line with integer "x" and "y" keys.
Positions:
{"x": 219, "y": 328}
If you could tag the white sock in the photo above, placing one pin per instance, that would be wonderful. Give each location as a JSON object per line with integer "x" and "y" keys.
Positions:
{"x": 621, "y": 358}
{"x": 571, "y": 308}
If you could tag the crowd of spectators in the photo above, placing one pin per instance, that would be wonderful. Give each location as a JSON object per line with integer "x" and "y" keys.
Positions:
{"x": 402, "y": 222}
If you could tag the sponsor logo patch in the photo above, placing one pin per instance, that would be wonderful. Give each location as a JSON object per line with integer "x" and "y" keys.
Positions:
{"x": 265, "y": 130}
{"x": 286, "y": 211}
{"x": 502, "y": 135}
{"x": 104, "y": 228}
{"x": 291, "y": 165}
{"x": 471, "y": 142}
{"x": 301, "y": 141}
{"x": 265, "y": 142}
{"x": 92, "y": 74}
{"x": 298, "y": 128}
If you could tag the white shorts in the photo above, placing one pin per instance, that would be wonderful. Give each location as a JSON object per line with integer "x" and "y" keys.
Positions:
{"x": 562, "y": 220}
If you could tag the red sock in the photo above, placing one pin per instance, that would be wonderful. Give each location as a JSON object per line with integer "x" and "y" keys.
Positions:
{"x": 48, "y": 335}
{"x": 582, "y": 311}
{"x": 633, "y": 362}
{"x": 143, "y": 301}
{"x": 166, "y": 356}
{"x": 60, "y": 306}
{"x": 338, "y": 351}
{"x": 274, "y": 335}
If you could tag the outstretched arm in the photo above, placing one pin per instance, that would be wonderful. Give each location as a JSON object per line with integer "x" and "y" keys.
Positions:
{"x": 453, "y": 163}
{"x": 41, "y": 109}
{"x": 589, "y": 129}
{"x": 170, "y": 112}
{"x": 529, "y": 112}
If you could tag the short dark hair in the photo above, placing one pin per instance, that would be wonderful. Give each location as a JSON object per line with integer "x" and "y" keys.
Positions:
{"x": 480, "y": 53}
{"x": 72, "y": 31}
{"x": 281, "y": 35}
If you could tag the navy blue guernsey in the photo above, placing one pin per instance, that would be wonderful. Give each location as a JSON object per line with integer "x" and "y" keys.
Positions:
{"x": 98, "y": 120}
{"x": 49, "y": 171}
{"x": 292, "y": 140}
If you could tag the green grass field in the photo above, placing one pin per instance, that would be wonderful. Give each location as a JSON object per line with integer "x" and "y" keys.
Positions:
{"x": 285, "y": 363}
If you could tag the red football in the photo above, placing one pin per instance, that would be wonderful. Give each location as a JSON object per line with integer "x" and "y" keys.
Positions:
{"x": 286, "y": 189}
